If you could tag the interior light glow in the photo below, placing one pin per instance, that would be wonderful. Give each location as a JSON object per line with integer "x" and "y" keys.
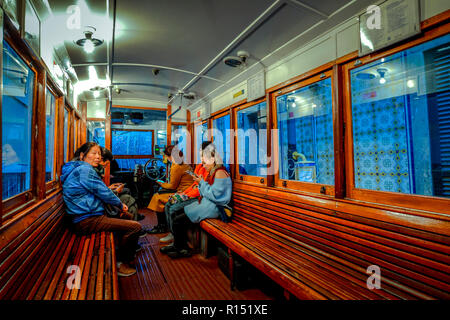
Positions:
{"x": 88, "y": 46}
{"x": 382, "y": 81}
{"x": 96, "y": 94}
{"x": 411, "y": 84}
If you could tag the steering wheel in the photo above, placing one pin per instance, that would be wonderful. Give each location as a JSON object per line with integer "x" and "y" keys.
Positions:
{"x": 155, "y": 169}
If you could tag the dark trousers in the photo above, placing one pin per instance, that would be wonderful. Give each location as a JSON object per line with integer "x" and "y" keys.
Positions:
{"x": 127, "y": 230}
{"x": 180, "y": 225}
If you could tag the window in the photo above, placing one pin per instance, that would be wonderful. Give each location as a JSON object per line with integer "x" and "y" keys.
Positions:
{"x": 17, "y": 119}
{"x": 252, "y": 140}
{"x": 179, "y": 137}
{"x": 222, "y": 140}
{"x": 201, "y": 135}
{"x": 305, "y": 124}
{"x": 96, "y": 132}
{"x": 50, "y": 113}
{"x": 400, "y": 121}
{"x": 132, "y": 143}
{"x": 66, "y": 133}
{"x": 76, "y": 133}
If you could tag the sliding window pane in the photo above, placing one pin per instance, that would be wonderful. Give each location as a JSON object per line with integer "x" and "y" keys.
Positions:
{"x": 305, "y": 123}
{"x": 17, "y": 117}
{"x": 222, "y": 142}
{"x": 401, "y": 121}
{"x": 49, "y": 136}
{"x": 96, "y": 132}
{"x": 127, "y": 142}
{"x": 179, "y": 133}
{"x": 201, "y": 135}
{"x": 252, "y": 140}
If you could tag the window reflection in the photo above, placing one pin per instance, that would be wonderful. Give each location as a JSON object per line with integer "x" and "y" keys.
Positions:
{"x": 305, "y": 123}
{"x": 17, "y": 115}
{"x": 49, "y": 136}
{"x": 96, "y": 132}
{"x": 401, "y": 127}
{"x": 222, "y": 142}
{"x": 252, "y": 140}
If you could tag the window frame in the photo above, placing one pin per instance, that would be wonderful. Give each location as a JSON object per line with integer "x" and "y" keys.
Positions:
{"x": 196, "y": 125}
{"x": 225, "y": 113}
{"x": 248, "y": 178}
{"x": 52, "y": 184}
{"x": 67, "y": 157}
{"x": 410, "y": 201}
{"x": 121, "y": 156}
{"x": 11, "y": 206}
{"x": 301, "y": 185}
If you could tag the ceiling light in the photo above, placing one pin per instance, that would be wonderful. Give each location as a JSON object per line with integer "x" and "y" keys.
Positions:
{"x": 382, "y": 72}
{"x": 88, "y": 42}
{"x": 96, "y": 94}
{"x": 411, "y": 84}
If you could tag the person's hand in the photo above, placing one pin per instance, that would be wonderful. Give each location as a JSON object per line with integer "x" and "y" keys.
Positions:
{"x": 120, "y": 188}
{"x": 114, "y": 186}
{"x": 197, "y": 178}
{"x": 125, "y": 207}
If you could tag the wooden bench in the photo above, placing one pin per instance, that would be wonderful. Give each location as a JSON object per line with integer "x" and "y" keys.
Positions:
{"x": 319, "y": 253}
{"x": 34, "y": 265}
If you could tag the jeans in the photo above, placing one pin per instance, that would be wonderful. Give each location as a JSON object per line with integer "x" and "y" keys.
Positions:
{"x": 170, "y": 209}
{"x": 128, "y": 231}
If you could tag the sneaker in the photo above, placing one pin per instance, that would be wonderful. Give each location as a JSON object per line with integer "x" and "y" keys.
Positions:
{"x": 167, "y": 249}
{"x": 168, "y": 238}
{"x": 184, "y": 253}
{"x": 142, "y": 233}
{"x": 157, "y": 229}
{"x": 123, "y": 270}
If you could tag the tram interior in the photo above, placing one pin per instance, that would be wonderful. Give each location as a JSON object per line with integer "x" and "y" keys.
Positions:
{"x": 339, "y": 152}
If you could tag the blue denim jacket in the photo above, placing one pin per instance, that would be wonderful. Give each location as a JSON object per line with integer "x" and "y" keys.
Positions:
{"x": 84, "y": 192}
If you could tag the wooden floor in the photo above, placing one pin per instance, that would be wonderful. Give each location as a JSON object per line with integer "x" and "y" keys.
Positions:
{"x": 161, "y": 278}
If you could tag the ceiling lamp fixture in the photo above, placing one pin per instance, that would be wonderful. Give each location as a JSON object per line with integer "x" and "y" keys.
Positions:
{"x": 239, "y": 61}
{"x": 89, "y": 43}
{"x": 382, "y": 72}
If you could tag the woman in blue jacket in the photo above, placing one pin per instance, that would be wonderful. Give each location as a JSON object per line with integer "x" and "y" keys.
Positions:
{"x": 215, "y": 191}
{"x": 84, "y": 194}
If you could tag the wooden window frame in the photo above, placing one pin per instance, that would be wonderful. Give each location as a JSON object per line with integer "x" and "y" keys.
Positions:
{"x": 293, "y": 184}
{"x": 66, "y": 157}
{"x": 195, "y": 147}
{"x": 225, "y": 113}
{"x": 248, "y": 178}
{"x": 411, "y": 201}
{"x": 12, "y": 206}
{"x": 121, "y": 156}
{"x": 52, "y": 184}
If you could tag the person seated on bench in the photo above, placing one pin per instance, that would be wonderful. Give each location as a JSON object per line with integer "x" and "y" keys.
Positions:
{"x": 215, "y": 190}
{"x": 119, "y": 190}
{"x": 84, "y": 194}
{"x": 180, "y": 180}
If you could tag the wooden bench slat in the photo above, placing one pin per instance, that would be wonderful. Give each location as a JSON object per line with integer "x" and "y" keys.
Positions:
{"x": 73, "y": 261}
{"x": 93, "y": 272}
{"x": 34, "y": 275}
{"x": 100, "y": 269}
{"x": 115, "y": 280}
{"x": 86, "y": 269}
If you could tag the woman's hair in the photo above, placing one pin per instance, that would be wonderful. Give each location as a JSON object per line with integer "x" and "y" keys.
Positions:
{"x": 107, "y": 154}
{"x": 84, "y": 149}
{"x": 175, "y": 153}
{"x": 209, "y": 150}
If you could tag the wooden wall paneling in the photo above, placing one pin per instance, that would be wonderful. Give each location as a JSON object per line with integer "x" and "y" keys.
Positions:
{"x": 60, "y": 134}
